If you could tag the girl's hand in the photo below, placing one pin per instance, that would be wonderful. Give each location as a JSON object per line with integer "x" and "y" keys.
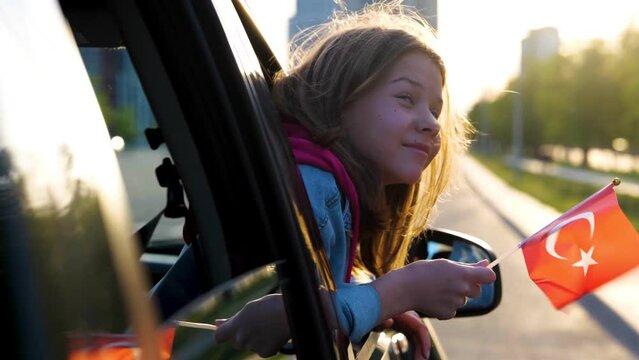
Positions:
{"x": 261, "y": 327}
{"x": 443, "y": 286}
{"x": 434, "y": 288}
{"x": 411, "y": 325}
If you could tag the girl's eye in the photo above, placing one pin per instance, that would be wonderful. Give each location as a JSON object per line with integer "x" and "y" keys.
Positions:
{"x": 406, "y": 98}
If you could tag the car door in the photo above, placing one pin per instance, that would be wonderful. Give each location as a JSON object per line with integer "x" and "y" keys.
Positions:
{"x": 213, "y": 109}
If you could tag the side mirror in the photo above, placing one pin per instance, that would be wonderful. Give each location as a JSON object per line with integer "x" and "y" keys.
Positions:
{"x": 448, "y": 244}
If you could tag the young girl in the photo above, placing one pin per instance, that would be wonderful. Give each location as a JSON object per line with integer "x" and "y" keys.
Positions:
{"x": 375, "y": 137}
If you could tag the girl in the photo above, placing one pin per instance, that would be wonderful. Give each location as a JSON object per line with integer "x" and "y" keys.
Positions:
{"x": 375, "y": 136}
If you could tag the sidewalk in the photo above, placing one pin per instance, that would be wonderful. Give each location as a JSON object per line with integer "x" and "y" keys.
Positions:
{"x": 630, "y": 187}
{"x": 616, "y": 300}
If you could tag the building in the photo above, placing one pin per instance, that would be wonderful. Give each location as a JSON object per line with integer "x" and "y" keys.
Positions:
{"x": 540, "y": 44}
{"x": 313, "y": 12}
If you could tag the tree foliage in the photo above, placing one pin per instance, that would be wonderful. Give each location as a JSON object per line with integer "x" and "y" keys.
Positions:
{"x": 585, "y": 99}
{"x": 120, "y": 120}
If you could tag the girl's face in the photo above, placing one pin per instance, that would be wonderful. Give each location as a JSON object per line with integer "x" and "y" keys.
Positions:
{"x": 393, "y": 122}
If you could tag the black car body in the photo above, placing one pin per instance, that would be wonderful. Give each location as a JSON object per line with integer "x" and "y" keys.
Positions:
{"x": 71, "y": 271}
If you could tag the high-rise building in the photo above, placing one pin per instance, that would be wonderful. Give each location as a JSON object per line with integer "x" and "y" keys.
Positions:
{"x": 540, "y": 44}
{"x": 313, "y": 12}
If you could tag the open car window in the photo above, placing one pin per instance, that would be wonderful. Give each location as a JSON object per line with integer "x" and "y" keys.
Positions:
{"x": 130, "y": 121}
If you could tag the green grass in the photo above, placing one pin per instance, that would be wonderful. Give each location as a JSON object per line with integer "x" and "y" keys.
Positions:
{"x": 557, "y": 193}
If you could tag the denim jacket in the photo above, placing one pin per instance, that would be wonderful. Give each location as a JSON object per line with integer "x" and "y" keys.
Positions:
{"x": 358, "y": 306}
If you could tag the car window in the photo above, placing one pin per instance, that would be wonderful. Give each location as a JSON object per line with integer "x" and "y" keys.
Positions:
{"x": 128, "y": 116}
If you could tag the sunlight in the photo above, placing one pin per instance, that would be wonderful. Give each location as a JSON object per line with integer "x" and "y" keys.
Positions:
{"x": 481, "y": 40}
{"x": 274, "y": 24}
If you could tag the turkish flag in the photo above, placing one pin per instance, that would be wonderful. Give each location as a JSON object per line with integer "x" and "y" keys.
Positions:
{"x": 583, "y": 249}
{"x": 117, "y": 346}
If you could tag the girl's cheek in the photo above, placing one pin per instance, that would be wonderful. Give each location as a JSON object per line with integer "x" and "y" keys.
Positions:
{"x": 438, "y": 142}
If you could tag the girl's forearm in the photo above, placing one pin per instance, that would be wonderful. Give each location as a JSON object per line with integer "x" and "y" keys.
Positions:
{"x": 393, "y": 295}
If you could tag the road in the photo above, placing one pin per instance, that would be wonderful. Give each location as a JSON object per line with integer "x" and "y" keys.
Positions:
{"x": 525, "y": 325}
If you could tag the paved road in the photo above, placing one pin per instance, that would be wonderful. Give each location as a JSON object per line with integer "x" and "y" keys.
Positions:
{"x": 526, "y": 326}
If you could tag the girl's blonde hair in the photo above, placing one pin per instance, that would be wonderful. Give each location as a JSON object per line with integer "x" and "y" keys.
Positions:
{"x": 330, "y": 65}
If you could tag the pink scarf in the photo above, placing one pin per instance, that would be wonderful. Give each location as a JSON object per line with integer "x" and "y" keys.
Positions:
{"x": 309, "y": 153}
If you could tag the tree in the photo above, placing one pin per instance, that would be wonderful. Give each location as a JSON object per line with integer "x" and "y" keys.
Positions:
{"x": 626, "y": 74}
{"x": 597, "y": 97}
{"x": 550, "y": 99}
{"x": 496, "y": 125}
{"x": 120, "y": 121}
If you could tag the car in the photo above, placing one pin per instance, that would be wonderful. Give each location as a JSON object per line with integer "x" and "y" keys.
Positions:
{"x": 80, "y": 274}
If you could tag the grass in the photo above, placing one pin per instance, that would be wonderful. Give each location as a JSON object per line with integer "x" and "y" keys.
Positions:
{"x": 558, "y": 193}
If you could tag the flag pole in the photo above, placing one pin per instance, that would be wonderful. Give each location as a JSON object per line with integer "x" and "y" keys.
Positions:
{"x": 615, "y": 182}
{"x": 512, "y": 251}
{"x": 195, "y": 325}
{"x": 505, "y": 255}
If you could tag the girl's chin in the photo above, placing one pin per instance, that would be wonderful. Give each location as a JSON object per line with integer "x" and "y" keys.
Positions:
{"x": 406, "y": 179}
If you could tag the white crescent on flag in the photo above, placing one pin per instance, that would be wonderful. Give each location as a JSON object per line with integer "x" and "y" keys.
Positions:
{"x": 551, "y": 238}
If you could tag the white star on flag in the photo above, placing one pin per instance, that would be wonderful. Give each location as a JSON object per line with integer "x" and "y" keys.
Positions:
{"x": 586, "y": 260}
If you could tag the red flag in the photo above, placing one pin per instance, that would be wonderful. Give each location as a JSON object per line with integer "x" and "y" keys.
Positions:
{"x": 583, "y": 249}
{"x": 116, "y": 346}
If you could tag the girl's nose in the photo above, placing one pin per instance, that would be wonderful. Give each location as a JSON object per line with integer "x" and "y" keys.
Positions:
{"x": 428, "y": 124}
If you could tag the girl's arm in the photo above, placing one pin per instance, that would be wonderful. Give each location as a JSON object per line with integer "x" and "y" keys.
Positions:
{"x": 261, "y": 326}
{"x": 435, "y": 288}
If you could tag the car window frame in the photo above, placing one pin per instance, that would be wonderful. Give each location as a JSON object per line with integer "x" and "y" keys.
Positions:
{"x": 148, "y": 29}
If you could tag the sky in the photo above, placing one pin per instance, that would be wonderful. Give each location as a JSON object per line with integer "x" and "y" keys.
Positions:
{"x": 481, "y": 40}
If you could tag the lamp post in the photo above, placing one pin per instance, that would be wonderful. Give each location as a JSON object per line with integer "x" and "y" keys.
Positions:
{"x": 518, "y": 118}
{"x": 518, "y": 122}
